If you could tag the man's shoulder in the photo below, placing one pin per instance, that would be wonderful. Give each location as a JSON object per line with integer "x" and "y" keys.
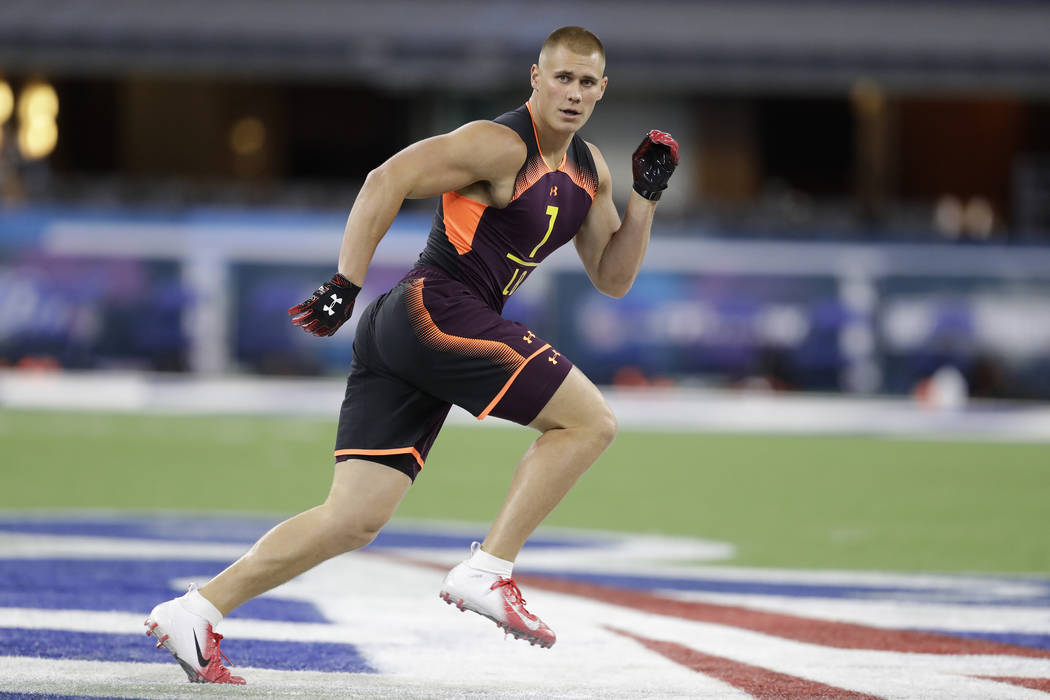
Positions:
{"x": 491, "y": 135}
{"x": 497, "y": 148}
{"x": 520, "y": 120}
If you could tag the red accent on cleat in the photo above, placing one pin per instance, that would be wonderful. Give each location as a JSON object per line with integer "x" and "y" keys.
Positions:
{"x": 499, "y": 600}
{"x": 207, "y": 668}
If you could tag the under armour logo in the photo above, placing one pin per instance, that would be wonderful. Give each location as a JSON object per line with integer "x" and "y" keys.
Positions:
{"x": 331, "y": 309}
{"x": 528, "y": 338}
{"x": 551, "y": 357}
{"x": 554, "y": 191}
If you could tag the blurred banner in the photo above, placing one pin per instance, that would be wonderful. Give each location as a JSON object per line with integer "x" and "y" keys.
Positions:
{"x": 208, "y": 291}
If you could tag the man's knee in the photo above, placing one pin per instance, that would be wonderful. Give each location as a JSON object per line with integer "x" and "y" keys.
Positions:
{"x": 603, "y": 425}
{"x": 578, "y": 404}
{"x": 349, "y": 533}
{"x": 363, "y": 497}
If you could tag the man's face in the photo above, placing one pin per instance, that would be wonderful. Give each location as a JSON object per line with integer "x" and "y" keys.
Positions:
{"x": 566, "y": 86}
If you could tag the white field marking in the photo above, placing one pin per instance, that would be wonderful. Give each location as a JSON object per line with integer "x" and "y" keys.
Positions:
{"x": 616, "y": 554}
{"x": 401, "y": 627}
{"x": 167, "y": 681}
{"x": 889, "y": 614}
{"x": 392, "y": 614}
{"x": 377, "y": 593}
{"x": 648, "y": 558}
{"x": 626, "y": 554}
{"x": 881, "y": 673}
{"x": 688, "y": 558}
{"x": 421, "y": 646}
{"x": 579, "y": 624}
{"x": 30, "y": 546}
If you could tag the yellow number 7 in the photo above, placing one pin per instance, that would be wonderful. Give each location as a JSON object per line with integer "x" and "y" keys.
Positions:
{"x": 519, "y": 273}
{"x": 552, "y": 212}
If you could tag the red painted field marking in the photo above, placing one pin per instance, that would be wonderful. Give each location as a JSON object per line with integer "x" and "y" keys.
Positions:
{"x": 759, "y": 682}
{"x": 839, "y": 635}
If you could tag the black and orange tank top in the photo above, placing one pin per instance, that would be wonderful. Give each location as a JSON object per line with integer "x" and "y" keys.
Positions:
{"x": 493, "y": 250}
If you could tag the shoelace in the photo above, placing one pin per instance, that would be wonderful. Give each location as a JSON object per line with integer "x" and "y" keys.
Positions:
{"x": 224, "y": 673}
{"x": 216, "y": 637}
{"x": 514, "y": 591}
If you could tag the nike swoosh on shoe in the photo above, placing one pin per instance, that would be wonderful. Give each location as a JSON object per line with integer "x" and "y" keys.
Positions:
{"x": 200, "y": 657}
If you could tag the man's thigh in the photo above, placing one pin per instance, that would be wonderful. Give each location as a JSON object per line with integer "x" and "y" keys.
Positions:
{"x": 577, "y": 401}
{"x": 447, "y": 342}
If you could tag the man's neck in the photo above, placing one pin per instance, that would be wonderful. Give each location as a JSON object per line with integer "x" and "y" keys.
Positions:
{"x": 553, "y": 144}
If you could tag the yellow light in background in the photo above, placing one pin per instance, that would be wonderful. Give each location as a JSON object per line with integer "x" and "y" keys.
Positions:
{"x": 38, "y": 137}
{"x": 37, "y": 98}
{"x": 7, "y": 101}
{"x": 247, "y": 136}
{"x": 37, "y": 129}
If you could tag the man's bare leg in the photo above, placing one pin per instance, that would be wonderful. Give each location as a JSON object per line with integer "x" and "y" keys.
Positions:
{"x": 577, "y": 426}
{"x": 363, "y": 497}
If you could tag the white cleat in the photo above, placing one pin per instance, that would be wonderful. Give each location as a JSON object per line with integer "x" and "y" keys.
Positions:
{"x": 191, "y": 640}
{"x": 496, "y": 598}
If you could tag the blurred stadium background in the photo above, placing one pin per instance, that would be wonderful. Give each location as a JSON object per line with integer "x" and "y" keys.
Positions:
{"x": 864, "y": 197}
{"x": 837, "y": 354}
{"x": 858, "y": 240}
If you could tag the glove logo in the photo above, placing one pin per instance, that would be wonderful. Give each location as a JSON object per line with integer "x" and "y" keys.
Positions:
{"x": 331, "y": 309}
{"x": 310, "y": 314}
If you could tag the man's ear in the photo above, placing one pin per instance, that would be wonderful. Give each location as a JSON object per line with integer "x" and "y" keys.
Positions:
{"x": 534, "y": 76}
{"x": 604, "y": 84}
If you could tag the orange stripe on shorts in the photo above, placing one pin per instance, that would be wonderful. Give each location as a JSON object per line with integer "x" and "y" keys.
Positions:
{"x": 432, "y": 336}
{"x": 510, "y": 381}
{"x": 398, "y": 451}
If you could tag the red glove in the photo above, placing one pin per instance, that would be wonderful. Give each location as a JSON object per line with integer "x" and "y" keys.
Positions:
{"x": 328, "y": 308}
{"x": 653, "y": 163}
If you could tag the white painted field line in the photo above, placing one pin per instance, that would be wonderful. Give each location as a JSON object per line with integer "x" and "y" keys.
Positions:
{"x": 381, "y": 593}
{"x": 390, "y": 611}
{"x": 889, "y": 614}
{"x": 881, "y": 673}
{"x": 28, "y": 546}
{"x": 167, "y": 681}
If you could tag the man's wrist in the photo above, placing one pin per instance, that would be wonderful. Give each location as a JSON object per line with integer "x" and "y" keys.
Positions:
{"x": 343, "y": 281}
{"x": 648, "y": 193}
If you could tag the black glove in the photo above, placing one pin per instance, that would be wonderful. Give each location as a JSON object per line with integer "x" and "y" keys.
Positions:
{"x": 653, "y": 162}
{"x": 328, "y": 308}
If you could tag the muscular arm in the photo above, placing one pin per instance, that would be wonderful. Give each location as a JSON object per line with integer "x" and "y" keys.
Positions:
{"x": 476, "y": 152}
{"x": 612, "y": 250}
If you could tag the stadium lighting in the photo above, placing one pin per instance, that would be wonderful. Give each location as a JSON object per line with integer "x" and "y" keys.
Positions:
{"x": 7, "y": 101}
{"x": 37, "y": 128}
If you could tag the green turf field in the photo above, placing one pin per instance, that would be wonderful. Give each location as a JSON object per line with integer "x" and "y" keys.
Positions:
{"x": 808, "y": 502}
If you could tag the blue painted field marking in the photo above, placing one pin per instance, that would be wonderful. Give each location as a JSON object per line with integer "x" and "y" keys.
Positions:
{"x": 135, "y": 585}
{"x": 924, "y": 594}
{"x": 98, "y": 646}
{"x": 242, "y": 531}
{"x": 126, "y": 585}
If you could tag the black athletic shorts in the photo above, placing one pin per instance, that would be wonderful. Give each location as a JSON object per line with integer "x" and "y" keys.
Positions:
{"x": 428, "y": 343}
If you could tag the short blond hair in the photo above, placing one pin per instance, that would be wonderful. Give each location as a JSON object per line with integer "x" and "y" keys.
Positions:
{"x": 576, "y": 39}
